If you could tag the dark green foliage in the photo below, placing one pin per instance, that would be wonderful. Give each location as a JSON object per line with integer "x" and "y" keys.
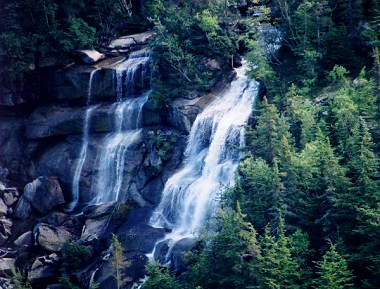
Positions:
{"x": 163, "y": 143}
{"x": 66, "y": 282}
{"x": 333, "y": 272}
{"x": 74, "y": 256}
{"x": 277, "y": 267}
{"x": 228, "y": 257}
{"x": 185, "y": 44}
{"x": 159, "y": 277}
{"x": 19, "y": 280}
{"x": 119, "y": 262}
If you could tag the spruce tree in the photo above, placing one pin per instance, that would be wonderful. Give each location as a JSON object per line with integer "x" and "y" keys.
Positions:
{"x": 333, "y": 272}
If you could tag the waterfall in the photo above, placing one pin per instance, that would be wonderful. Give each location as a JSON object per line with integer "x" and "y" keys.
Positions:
{"x": 83, "y": 152}
{"x": 82, "y": 158}
{"x": 108, "y": 168}
{"x": 108, "y": 178}
{"x": 190, "y": 196}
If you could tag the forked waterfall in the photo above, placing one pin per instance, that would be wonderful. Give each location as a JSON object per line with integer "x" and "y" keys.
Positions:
{"x": 108, "y": 168}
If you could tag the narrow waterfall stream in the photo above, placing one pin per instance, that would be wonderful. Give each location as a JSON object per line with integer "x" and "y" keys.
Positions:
{"x": 108, "y": 168}
{"x": 190, "y": 196}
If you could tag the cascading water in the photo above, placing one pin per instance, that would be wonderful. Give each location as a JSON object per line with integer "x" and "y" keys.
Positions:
{"x": 81, "y": 160}
{"x": 83, "y": 152}
{"x": 107, "y": 184}
{"x": 108, "y": 180}
{"x": 190, "y": 196}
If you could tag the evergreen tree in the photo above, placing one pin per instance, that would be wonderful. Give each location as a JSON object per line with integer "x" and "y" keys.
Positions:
{"x": 333, "y": 272}
{"x": 159, "y": 277}
{"x": 118, "y": 262}
{"x": 228, "y": 257}
{"x": 277, "y": 268}
{"x": 264, "y": 140}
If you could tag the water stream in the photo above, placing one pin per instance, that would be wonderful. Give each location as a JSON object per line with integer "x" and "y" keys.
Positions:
{"x": 190, "y": 196}
{"x": 108, "y": 168}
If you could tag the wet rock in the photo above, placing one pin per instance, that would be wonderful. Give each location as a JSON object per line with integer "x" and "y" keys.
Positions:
{"x": 3, "y": 174}
{"x": 6, "y": 283}
{"x": 3, "y": 208}
{"x": 124, "y": 43}
{"x": 89, "y": 56}
{"x": 72, "y": 84}
{"x": 58, "y": 160}
{"x": 48, "y": 195}
{"x": 96, "y": 229}
{"x": 54, "y": 286}
{"x": 52, "y": 238}
{"x": 44, "y": 268}
{"x": 102, "y": 210}
{"x": 176, "y": 256}
{"x": 25, "y": 240}
{"x": 152, "y": 191}
{"x": 23, "y": 209}
{"x": 5, "y": 230}
{"x": 9, "y": 199}
{"x": 44, "y": 193}
{"x": 48, "y": 121}
{"x": 55, "y": 218}
{"x": 12, "y": 143}
{"x": 5, "y": 266}
{"x": 161, "y": 249}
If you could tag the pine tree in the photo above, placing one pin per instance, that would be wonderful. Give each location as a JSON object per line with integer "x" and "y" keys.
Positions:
{"x": 159, "y": 277}
{"x": 333, "y": 272}
{"x": 265, "y": 139}
{"x": 277, "y": 268}
{"x": 118, "y": 262}
{"x": 259, "y": 190}
{"x": 228, "y": 257}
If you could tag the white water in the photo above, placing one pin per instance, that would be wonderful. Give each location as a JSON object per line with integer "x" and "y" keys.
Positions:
{"x": 107, "y": 182}
{"x": 83, "y": 152}
{"x": 108, "y": 169}
{"x": 190, "y": 196}
{"x": 82, "y": 157}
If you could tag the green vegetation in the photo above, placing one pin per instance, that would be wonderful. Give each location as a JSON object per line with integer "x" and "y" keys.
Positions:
{"x": 74, "y": 257}
{"x": 304, "y": 212}
{"x": 119, "y": 262}
{"x": 19, "y": 280}
{"x": 159, "y": 278}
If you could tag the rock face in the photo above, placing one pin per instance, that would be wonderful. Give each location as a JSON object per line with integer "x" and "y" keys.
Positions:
{"x": 52, "y": 238}
{"x": 45, "y": 267}
{"x": 89, "y": 56}
{"x": 44, "y": 193}
{"x": 129, "y": 42}
{"x": 5, "y": 266}
{"x": 26, "y": 239}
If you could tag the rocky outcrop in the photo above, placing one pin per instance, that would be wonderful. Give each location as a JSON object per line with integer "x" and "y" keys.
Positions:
{"x": 44, "y": 268}
{"x": 44, "y": 193}
{"x": 128, "y": 43}
{"x": 89, "y": 56}
{"x": 5, "y": 230}
{"x": 52, "y": 238}
{"x": 72, "y": 84}
{"x": 53, "y": 120}
{"x": 25, "y": 240}
{"x": 6, "y": 265}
